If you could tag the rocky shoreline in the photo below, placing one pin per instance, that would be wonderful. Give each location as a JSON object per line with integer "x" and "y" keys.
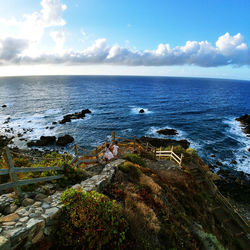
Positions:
{"x": 245, "y": 122}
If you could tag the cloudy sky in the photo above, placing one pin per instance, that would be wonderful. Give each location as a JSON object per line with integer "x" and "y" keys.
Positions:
{"x": 197, "y": 38}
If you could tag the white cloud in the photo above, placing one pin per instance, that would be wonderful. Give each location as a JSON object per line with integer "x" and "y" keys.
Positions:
{"x": 50, "y": 15}
{"x": 59, "y": 38}
{"x": 11, "y": 48}
{"x": 228, "y": 50}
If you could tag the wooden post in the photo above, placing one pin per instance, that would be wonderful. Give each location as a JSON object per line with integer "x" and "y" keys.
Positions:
{"x": 12, "y": 173}
{"x": 113, "y": 137}
{"x": 76, "y": 154}
{"x": 96, "y": 154}
{"x": 147, "y": 146}
{"x": 172, "y": 150}
{"x": 134, "y": 142}
{"x": 160, "y": 154}
{"x": 181, "y": 160}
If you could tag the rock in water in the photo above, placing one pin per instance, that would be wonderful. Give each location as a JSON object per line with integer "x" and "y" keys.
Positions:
{"x": 64, "y": 140}
{"x": 156, "y": 142}
{"x": 44, "y": 141}
{"x": 4, "y": 106}
{"x": 245, "y": 121}
{"x": 167, "y": 132}
{"x": 141, "y": 111}
{"x": 76, "y": 115}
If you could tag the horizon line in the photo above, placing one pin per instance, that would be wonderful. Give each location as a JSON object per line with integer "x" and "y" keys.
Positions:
{"x": 163, "y": 76}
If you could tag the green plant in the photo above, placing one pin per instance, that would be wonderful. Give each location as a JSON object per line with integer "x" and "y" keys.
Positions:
{"x": 135, "y": 159}
{"x": 192, "y": 152}
{"x": 131, "y": 170}
{"x": 22, "y": 162}
{"x": 90, "y": 220}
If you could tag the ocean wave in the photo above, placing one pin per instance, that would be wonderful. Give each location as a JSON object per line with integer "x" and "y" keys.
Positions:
{"x": 241, "y": 153}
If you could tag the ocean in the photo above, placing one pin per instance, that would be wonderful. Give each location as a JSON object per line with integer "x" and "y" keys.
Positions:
{"x": 203, "y": 111}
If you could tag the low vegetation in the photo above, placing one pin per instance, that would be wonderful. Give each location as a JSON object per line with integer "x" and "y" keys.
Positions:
{"x": 90, "y": 220}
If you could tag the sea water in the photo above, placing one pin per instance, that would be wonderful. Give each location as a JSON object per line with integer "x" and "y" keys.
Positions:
{"x": 203, "y": 111}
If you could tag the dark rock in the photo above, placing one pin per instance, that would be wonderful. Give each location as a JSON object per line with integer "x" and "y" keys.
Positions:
{"x": 156, "y": 142}
{"x": 235, "y": 186}
{"x": 233, "y": 162}
{"x": 245, "y": 122}
{"x": 167, "y": 132}
{"x": 213, "y": 155}
{"x": 51, "y": 127}
{"x": 44, "y": 141}
{"x": 54, "y": 123}
{"x": 248, "y": 149}
{"x": 4, "y": 106}
{"x": 77, "y": 115}
{"x": 219, "y": 163}
{"x": 141, "y": 111}
{"x": 224, "y": 172}
{"x": 19, "y": 135}
{"x": 47, "y": 127}
{"x": 64, "y": 140}
{"x": 4, "y": 141}
{"x": 7, "y": 120}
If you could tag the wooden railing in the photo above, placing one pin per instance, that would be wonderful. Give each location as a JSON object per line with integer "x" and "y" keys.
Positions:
{"x": 87, "y": 156}
{"x": 170, "y": 153}
{"x": 12, "y": 170}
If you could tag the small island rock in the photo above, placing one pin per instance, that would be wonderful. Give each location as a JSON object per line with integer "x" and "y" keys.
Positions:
{"x": 43, "y": 141}
{"x": 76, "y": 115}
{"x": 141, "y": 111}
{"x": 64, "y": 140}
{"x": 167, "y": 132}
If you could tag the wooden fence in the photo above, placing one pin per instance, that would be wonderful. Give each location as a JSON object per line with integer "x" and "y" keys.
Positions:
{"x": 12, "y": 170}
{"x": 83, "y": 155}
{"x": 87, "y": 156}
{"x": 169, "y": 153}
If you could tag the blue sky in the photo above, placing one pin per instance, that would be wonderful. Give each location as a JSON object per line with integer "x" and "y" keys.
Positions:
{"x": 178, "y": 38}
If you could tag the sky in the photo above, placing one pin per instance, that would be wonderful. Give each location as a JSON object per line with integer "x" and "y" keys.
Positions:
{"x": 194, "y": 38}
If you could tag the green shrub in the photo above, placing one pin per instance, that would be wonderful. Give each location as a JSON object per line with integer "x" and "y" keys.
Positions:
{"x": 135, "y": 159}
{"x": 22, "y": 162}
{"x": 192, "y": 152}
{"x": 90, "y": 220}
{"x": 132, "y": 171}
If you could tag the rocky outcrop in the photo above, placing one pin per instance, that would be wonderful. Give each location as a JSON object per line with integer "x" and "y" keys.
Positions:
{"x": 156, "y": 142}
{"x": 245, "y": 121}
{"x": 4, "y": 141}
{"x": 44, "y": 141}
{"x": 7, "y": 120}
{"x": 64, "y": 140}
{"x": 141, "y": 111}
{"x": 167, "y": 132}
{"x": 77, "y": 115}
{"x": 51, "y": 140}
{"x": 4, "y": 106}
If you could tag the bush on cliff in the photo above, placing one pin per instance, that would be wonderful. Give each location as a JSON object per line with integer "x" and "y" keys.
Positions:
{"x": 135, "y": 159}
{"x": 90, "y": 220}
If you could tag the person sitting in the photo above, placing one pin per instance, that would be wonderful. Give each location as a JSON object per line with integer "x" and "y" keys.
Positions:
{"x": 115, "y": 149}
{"x": 107, "y": 153}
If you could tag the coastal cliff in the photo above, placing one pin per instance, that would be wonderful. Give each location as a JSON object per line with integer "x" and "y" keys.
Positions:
{"x": 156, "y": 204}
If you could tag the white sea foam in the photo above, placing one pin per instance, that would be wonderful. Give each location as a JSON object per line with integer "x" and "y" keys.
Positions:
{"x": 136, "y": 110}
{"x": 241, "y": 154}
{"x": 52, "y": 112}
